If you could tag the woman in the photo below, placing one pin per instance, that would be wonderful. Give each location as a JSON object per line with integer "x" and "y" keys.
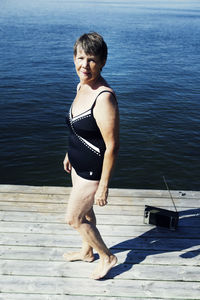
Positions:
{"x": 93, "y": 122}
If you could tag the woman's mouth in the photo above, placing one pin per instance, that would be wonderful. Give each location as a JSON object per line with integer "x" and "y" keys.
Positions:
{"x": 85, "y": 73}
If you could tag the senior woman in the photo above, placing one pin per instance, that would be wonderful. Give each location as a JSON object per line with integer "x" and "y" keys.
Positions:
{"x": 93, "y": 122}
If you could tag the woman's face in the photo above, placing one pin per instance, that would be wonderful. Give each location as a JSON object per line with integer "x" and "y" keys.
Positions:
{"x": 88, "y": 67}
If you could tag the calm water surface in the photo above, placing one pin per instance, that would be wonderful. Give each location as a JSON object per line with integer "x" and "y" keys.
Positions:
{"x": 153, "y": 65}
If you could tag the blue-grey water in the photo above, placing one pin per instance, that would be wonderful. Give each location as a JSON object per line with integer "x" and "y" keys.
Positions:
{"x": 153, "y": 65}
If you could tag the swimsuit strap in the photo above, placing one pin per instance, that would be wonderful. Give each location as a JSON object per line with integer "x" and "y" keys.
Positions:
{"x": 105, "y": 91}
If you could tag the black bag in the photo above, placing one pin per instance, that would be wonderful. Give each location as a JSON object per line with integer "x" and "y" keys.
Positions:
{"x": 161, "y": 217}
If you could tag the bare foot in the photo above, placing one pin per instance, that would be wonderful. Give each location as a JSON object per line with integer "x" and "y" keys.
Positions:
{"x": 74, "y": 256}
{"x": 104, "y": 267}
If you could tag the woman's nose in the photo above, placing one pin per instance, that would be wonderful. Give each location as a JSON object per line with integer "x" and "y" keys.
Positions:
{"x": 85, "y": 63}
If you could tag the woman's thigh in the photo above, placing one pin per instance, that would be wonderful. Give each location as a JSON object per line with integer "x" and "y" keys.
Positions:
{"x": 81, "y": 198}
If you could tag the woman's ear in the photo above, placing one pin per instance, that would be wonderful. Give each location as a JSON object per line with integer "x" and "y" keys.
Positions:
{"x": 103, "y": 64}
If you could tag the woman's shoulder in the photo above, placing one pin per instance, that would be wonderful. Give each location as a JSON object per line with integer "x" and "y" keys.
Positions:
{"x": 106, "y": 97}
{"x": 106, "y": 94}
{"x": 105, "y": 91}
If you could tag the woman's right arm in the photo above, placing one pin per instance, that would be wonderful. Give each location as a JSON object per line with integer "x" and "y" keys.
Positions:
{"x": 66, "y": 164}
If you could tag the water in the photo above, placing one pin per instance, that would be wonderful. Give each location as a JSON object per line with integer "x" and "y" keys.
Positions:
{"x": 153, "y": 65}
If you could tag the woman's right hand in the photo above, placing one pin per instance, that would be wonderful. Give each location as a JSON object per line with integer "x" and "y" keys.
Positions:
{"x": 66, "y": 164}
{"x": 101, "y": 195}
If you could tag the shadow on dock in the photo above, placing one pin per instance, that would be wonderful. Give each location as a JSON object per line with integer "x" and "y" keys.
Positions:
{"x": 161, "y": 240}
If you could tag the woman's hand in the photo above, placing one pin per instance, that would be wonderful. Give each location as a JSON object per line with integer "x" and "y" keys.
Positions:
{"x": 101, "y": 196}
{"x": 66, "y": 164}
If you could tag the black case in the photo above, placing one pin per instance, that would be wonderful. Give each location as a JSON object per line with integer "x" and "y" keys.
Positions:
{"x": 161, "y": 217}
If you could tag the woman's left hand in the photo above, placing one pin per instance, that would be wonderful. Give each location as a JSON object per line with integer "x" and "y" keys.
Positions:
{"x": 101, "y": 196}
{"x": 66, "y": 164}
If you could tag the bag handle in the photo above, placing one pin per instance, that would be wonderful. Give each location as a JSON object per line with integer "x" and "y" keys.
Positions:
{"x": 169, "y": 193}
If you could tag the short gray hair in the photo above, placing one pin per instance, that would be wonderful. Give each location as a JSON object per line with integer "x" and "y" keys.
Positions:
{"x": 92, "y": 43}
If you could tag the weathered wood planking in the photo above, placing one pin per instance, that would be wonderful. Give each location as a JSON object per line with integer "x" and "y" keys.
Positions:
{"x": 121, "y": 243}
{"x": 190, "y": 220}
{"x": 153, "y": 263}
{"x": 63, "y": 297}
{"x": 36, "y": 253}
{"x": 112, "y": 192}
{"x": 120, "y": 288}
{"x": 117, "y": 200}
{"x": 60, "y": 269}
{"x": 112, "y": 230}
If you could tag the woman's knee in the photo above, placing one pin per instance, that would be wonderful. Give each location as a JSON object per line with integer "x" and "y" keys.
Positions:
{"x": 73, "y": 221}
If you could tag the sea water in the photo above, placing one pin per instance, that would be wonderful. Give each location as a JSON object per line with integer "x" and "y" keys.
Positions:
{"x": 153, "y": 66}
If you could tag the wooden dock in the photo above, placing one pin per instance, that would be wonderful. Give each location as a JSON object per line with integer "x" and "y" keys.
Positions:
{"x": 153, "y": 263}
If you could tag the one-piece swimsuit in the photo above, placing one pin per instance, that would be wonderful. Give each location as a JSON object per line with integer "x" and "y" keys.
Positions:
{"x": 86, "y": 146}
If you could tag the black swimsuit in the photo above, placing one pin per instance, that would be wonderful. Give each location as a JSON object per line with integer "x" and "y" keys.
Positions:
{"x": 86, "y": 144}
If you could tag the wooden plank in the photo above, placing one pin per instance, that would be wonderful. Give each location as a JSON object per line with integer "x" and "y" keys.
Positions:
{"x": 153, "y": 193}
{"x": 49, "y": 207}
{"x": 118, "y": 288}
{"x": 6, "y": 188}
{"x": 38, "y": 198}
{"x": 81, "y": 269}
{"x": 112, "y": 200}
{"x": 59, "y": 217}
{"x": 141, "y": 242}
{"x": 32, "y": 216}
{"x": 189, "y": 221}
{"x": 29, "y": 296}
{"x": 109, "y": 209}
{"x": 112, "y": 191}
{"x": 111, "y": 230}
{"x": 40, "y": 207}
{"x": 184, "y": 257}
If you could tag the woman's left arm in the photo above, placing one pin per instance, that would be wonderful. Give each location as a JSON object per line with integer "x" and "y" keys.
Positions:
{"x": 107, "y": 117}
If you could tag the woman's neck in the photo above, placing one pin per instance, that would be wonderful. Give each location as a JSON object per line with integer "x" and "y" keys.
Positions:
{"x": 94, "y": 84}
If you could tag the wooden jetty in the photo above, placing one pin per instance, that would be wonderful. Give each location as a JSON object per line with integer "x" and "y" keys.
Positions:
{"x": 153, "y": 263}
